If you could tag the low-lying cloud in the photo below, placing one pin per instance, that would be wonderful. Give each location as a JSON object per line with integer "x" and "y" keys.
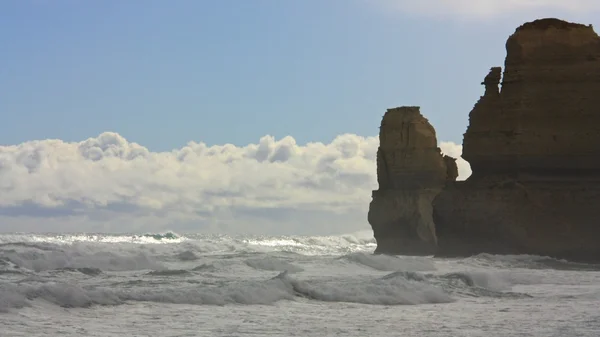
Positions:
{"x": 109, "y": 184}
{"x": 492, "y": 8}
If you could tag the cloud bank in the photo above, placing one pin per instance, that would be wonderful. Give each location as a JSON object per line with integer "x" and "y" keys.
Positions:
{"x": 107, "y": 184}
{"x": 491, "y": 8}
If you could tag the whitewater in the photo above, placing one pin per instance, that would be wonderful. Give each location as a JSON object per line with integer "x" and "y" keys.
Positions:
{"x": 217, "y": 285}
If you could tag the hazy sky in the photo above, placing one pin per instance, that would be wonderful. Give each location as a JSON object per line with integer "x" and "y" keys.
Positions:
{"x": 296, "y": 88}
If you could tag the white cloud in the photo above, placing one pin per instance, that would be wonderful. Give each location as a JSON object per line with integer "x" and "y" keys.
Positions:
{"x": 109, "y": 184}
{"x": 490, "y": 8}
{"x": 454, "y": 150}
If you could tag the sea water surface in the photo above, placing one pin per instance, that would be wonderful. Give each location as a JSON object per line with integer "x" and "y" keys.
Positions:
{"x": 200, "y": 285}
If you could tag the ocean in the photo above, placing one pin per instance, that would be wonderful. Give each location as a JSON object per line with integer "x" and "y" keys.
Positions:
{"x": 217, "y": 285}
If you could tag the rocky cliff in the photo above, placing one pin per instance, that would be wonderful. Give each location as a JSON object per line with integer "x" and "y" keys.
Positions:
{"x": 534, "y": 148}
{"x": 544, "y": 120}
{"x": 411, "y": 172}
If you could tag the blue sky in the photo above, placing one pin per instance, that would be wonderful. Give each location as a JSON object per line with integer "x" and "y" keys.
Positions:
{"x": 162, "y": 73}
{"x": 140, "y": 96}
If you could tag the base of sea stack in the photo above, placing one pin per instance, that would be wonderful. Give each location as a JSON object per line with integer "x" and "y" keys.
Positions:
{"x": 400, "y": 246}
{"x": 558, "y": 220}
{"x": 402, "y": 221}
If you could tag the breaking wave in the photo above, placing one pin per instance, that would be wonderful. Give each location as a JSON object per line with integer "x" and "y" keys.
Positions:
{"x": 62, "y": 239}
{"x": 84, "y": 270}
{"x": 205, "y": 267}
{"x": 169, "y": 272}
{"x": 187, "y": 255}
{"x": 391, "y": 263}
{"x": 471, "y": 284}
{"x": 161, "y": 236}
{"x": 196, "y": 244}
{"x": 75, "y": 258}
{"x": 224, "y": 270}
{"x": 273, "y": 264}
{"x": 398, "y": 288}
{"x": 531, "y": 262}
{"x": 383, "y": 291}
{"x": 378, "y": 291}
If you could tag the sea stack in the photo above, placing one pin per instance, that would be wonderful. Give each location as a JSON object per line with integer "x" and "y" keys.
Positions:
{"x": 545, "y": 120}
{"x": 534, "y": 149}
{"x": 411, "y": 172}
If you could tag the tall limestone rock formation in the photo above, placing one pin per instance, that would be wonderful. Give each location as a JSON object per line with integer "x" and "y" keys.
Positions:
{"x": 534, "y": 148}
{"x": 545, "y": 119}
{"x": 410, "y": 171}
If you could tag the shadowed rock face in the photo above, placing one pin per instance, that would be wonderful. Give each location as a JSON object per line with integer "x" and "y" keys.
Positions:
{"x": 534, "y": 148}
{"x": 545, "y": 120}
{"x": 411, "y": 172}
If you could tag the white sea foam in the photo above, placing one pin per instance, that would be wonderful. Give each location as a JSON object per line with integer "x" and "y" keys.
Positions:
{"x": 80, "y": 257}
{"x": 387, "y": 291}
{"x": 482, "y": 279}
{"x": 376, "y": 291}
{"x": 530, "y": 262}
{"x": 315, "y": 245}
{"x": 392, "y": 263}
{"x": 364, "y": 237}
{"x": 187, "y": 255}
{"x": 274, "y": 264}
{"x": 171, "y": 243}
{"x": 66, "y": 239}
{"x": 185, "y": 283}
{"x": 463, "y": 283}
{"x": 11, "y": 298}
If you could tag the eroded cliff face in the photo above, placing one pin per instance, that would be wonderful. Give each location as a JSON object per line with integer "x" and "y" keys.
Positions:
{"x": 411, "y": 172}
{"x": 534, "y": 148}
{"x": 545, "y": 120}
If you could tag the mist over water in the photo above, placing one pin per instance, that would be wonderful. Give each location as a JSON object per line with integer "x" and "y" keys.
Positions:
{"x": 217, "y": 285}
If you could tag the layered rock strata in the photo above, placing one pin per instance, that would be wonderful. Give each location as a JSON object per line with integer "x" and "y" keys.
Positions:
{"x": 411, "y": 172}
{"x": 534, "y": 149}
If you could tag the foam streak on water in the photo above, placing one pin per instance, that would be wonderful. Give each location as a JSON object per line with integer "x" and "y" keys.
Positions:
{"x": 167, "y": 284}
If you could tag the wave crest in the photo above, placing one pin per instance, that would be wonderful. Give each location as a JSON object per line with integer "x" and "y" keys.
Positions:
{"x": 196, "y": 244}
{"x": 391, "y": 291}
{"x": 532, "y": 262}
{"x": 466, "y": 283}
{"x": 273, "y": 264}
{"x": 391, "y": 263}
{"x": 75, "y": 257}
